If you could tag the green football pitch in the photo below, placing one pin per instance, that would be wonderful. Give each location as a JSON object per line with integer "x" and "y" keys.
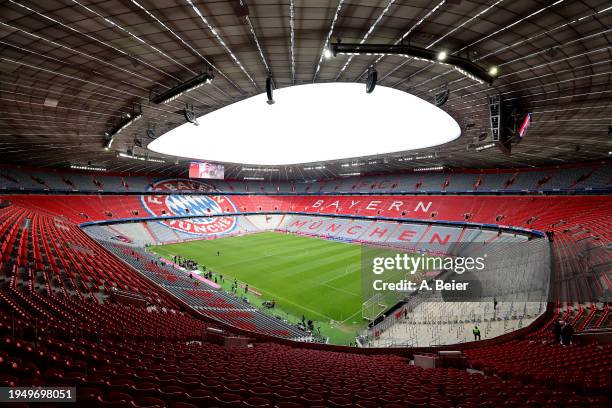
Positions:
{"x": 306, "y": 276}
{"x": 312, "y": 277}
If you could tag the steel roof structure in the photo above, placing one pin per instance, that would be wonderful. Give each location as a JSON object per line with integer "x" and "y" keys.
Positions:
{"x": 70, "y": 70}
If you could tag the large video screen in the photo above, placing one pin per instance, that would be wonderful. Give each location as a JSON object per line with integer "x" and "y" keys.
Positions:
{"x": 203, "y": 170}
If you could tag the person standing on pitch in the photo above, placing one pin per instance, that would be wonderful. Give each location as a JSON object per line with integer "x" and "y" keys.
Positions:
{"x": 476, "y": 332}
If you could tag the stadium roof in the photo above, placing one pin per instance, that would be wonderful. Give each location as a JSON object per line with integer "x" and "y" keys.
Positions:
{"x": 71, "y": 70}
{"x": 264, "y": 134}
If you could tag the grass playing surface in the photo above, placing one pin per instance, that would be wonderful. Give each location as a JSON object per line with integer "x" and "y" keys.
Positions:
{"x": 317, "y": 278}
{"x": 313, "y": 277}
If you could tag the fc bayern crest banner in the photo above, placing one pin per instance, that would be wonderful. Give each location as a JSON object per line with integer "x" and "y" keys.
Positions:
{"x": 204, "y": 170}
{"x": 208, "y": 208}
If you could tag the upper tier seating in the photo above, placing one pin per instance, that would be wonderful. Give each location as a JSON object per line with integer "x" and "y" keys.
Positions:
{"x": 585, "y": 177}
{"x": 532, "y": 212}
{"x": 575, "y": 221}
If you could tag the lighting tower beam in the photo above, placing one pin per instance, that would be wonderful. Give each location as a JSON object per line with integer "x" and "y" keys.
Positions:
{"x": 181, "y": 89}
{"x": 463, "y": 65}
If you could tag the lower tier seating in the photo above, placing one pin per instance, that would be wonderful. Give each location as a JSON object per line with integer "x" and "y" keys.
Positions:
{"x": 210, "y": 302}
{"x": 50, "y": 254}
{"x": 116, "y": 370}
{"x": 585, "y": 368}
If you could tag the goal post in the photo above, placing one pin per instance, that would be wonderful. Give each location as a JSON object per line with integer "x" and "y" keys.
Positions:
{"x": 379, "y": 302}
{"x": 373, "y": 307}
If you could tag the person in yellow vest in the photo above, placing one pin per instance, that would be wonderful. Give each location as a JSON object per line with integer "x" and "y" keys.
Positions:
{"x": 476, "y": 332}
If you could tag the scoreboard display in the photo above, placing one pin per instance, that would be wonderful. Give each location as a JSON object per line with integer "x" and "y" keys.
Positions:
{"x": 204, "y": 170}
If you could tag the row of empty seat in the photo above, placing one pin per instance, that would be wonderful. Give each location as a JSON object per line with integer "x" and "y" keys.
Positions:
{"x": 576, "y": 178}
{"x": 53, "y": 255}
{"x": 586, "y": 368}
{"x": 509, "y": 292}
{"x": 143, "y": 371}
{"x": 426, "y": 237}
{"x": 59, "y": 327}
{"x": 167, "y": 232}
{"x": 532, "y": 212}
{"x": 573, "y": 219}
{"x": 211, "y": 302}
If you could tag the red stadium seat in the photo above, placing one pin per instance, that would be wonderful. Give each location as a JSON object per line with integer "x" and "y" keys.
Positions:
{"x": 183, "y": 405}
{"x": 200, "y": 396}
{"x": 257, "y": 402}
{"x": 366, "y": 404}
{"x": 339, "y": 402}
{"x": 287, "y": 404}
{"x": 148, "y": 402}
{"x": 86, "y": 396}
{"x": 228, "y": 400}
{"x": 113, "y": 400}
{"x": 62, "y": 321}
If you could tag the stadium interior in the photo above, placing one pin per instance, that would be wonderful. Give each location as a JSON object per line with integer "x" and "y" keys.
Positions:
{"x": 195, "y": 197}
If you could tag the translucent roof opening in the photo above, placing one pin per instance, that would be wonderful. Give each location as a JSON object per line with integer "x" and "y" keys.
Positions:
{"x": 312, "y": 123}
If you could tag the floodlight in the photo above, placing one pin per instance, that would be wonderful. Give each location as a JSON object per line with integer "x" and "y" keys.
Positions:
{"x": 269, "y": 90}
{"x": 190, "y": 115}
{"x": 441, "y": 97}
{"x": 109, "y": 143}
{"x": 371, "y": 80}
